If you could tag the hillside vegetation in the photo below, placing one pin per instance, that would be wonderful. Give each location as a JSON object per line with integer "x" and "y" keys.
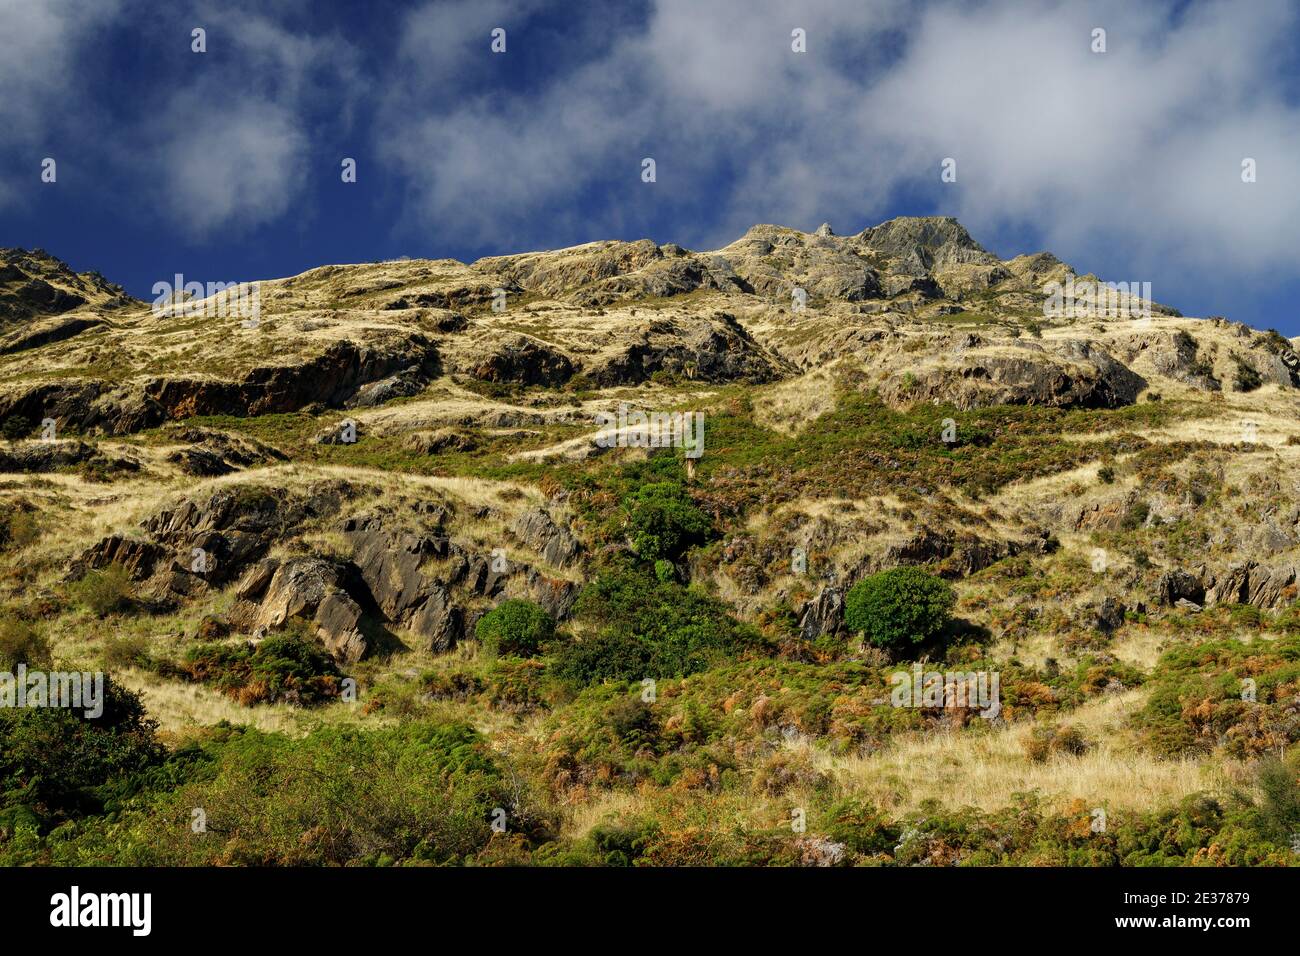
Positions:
{"x": 420, "y": 567}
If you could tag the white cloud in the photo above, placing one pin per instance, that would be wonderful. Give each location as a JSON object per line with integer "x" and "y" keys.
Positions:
{"x": 1140, "y": 146}
{"x": 1137, "y": 149}
{"x": 237, "y": 164}
{"x": 39, "y": 44}
{"x": 40, "y": 47}
{"x": 233, "y": 151}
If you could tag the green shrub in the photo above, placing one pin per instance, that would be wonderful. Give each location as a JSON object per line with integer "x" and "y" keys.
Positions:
{"x": 1043, "y": 742}
{"x": 18, "y": 529}
{"x": 1245, "y": 378}
{"x": 662, "y": 521}
{"x": 421, "y": 792}
{"x": 284, "y": 667}
{"x": 104, "y": 591}
{"x": 899, "y": 607}
{"x": 127, "y": 650}
{"x": 1279, "y": 807}
{"x": 15, "y": 427}
{"x": 648, "y": 628}
{"x": 56, "y": 762}
{"x": 21, "y": 644}
{"x": 515, "y": 628}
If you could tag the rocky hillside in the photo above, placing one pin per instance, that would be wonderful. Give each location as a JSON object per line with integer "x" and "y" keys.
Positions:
{"x": 354, "y": 479}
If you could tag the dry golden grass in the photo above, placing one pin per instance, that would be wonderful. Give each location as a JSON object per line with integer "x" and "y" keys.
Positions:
{"x": 792, "y": 405}
{"x": 985, "y": 770}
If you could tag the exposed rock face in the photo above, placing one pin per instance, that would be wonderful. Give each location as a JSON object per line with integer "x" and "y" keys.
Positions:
{"x": 954, "y": 555}
{"x": 37, "y": 284}
{"x": 1267, "y": 588}
{"x": 525, "y": 362}
{"x": 407, "y": 382}
{"x": 713, "y": 349}
{"x": 601, "y": 273}
{"x": 438, "y": 622}
{"x": 338, "y": 620}
{"x": 538, "y": 531}
{"x": 331, "y": 378}
{"x": 390, "y": 564}
{"x": 210, "y": 540}
{"x": 1171, "y": 354}
{"x": 1078, "y": 374}
{"x": 823, "y": 615}
{"x": 138, "y": 557}
{"x": 309, "y": 588}
{"x": 296, "y": 586}
{"x": 1177, "y": 585}
{"x": 1109, "y": 615}
{"x": 1250, "y": 583}
{"x": 40, "y": 457}
{"x": 386, "y": 576}
{"x": 775, "y": 261}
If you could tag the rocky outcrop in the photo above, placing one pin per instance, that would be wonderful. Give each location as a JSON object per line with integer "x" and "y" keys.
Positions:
{"x": 524, "y": 361}
{"x": 330, "y": 379}
{"x": 1109, "y": 615}
{"x": 1078, "y": 374}
{"x": 1178, "y": 585}
{"x": 409, "y": 381}
{"x": 311, "y": 589}
{"x": 209, "y": 540}
{"x": 537, "y": 530}
{"x": 438, "y": 623}
{"x": 713, "y": 349}
{"x": 138, "y": 556}
{"x": 1265, "y": 587}
{"x": 42, "y": 457}
{"x": 955, "y": 555}
{"x": 216, "y": 452}
{"x": 822, "y": 615}
{"x": 35, "y": 283}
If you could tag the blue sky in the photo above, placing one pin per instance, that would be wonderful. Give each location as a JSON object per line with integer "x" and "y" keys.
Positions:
{"x": 225, "y": 165}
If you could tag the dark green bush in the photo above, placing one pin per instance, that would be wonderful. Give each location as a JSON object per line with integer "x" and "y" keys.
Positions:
{"x": 55, "y": 762}
{"x": 1245, "y": 378}
{"x": 20, "y": 643}
{"x": 648, "y": 628}
{"x": 899, "y": 607}
{"x": 15, "y": 427}
{"x": 104, "y": 591}
{"x": 662, "y": 521}
{"x": 284, "y": 667}
{"x": 515, "y": 628}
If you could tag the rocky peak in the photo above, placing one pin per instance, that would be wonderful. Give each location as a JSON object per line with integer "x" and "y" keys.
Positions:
{"x": 34, "y": 283}
{"x": 934, "y": 240}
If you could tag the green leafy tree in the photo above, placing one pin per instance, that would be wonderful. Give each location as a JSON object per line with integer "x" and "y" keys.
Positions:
{"x": 515, "y": 628}
{"x": 662, "y": 521}
{"x": 899, "y": 607}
